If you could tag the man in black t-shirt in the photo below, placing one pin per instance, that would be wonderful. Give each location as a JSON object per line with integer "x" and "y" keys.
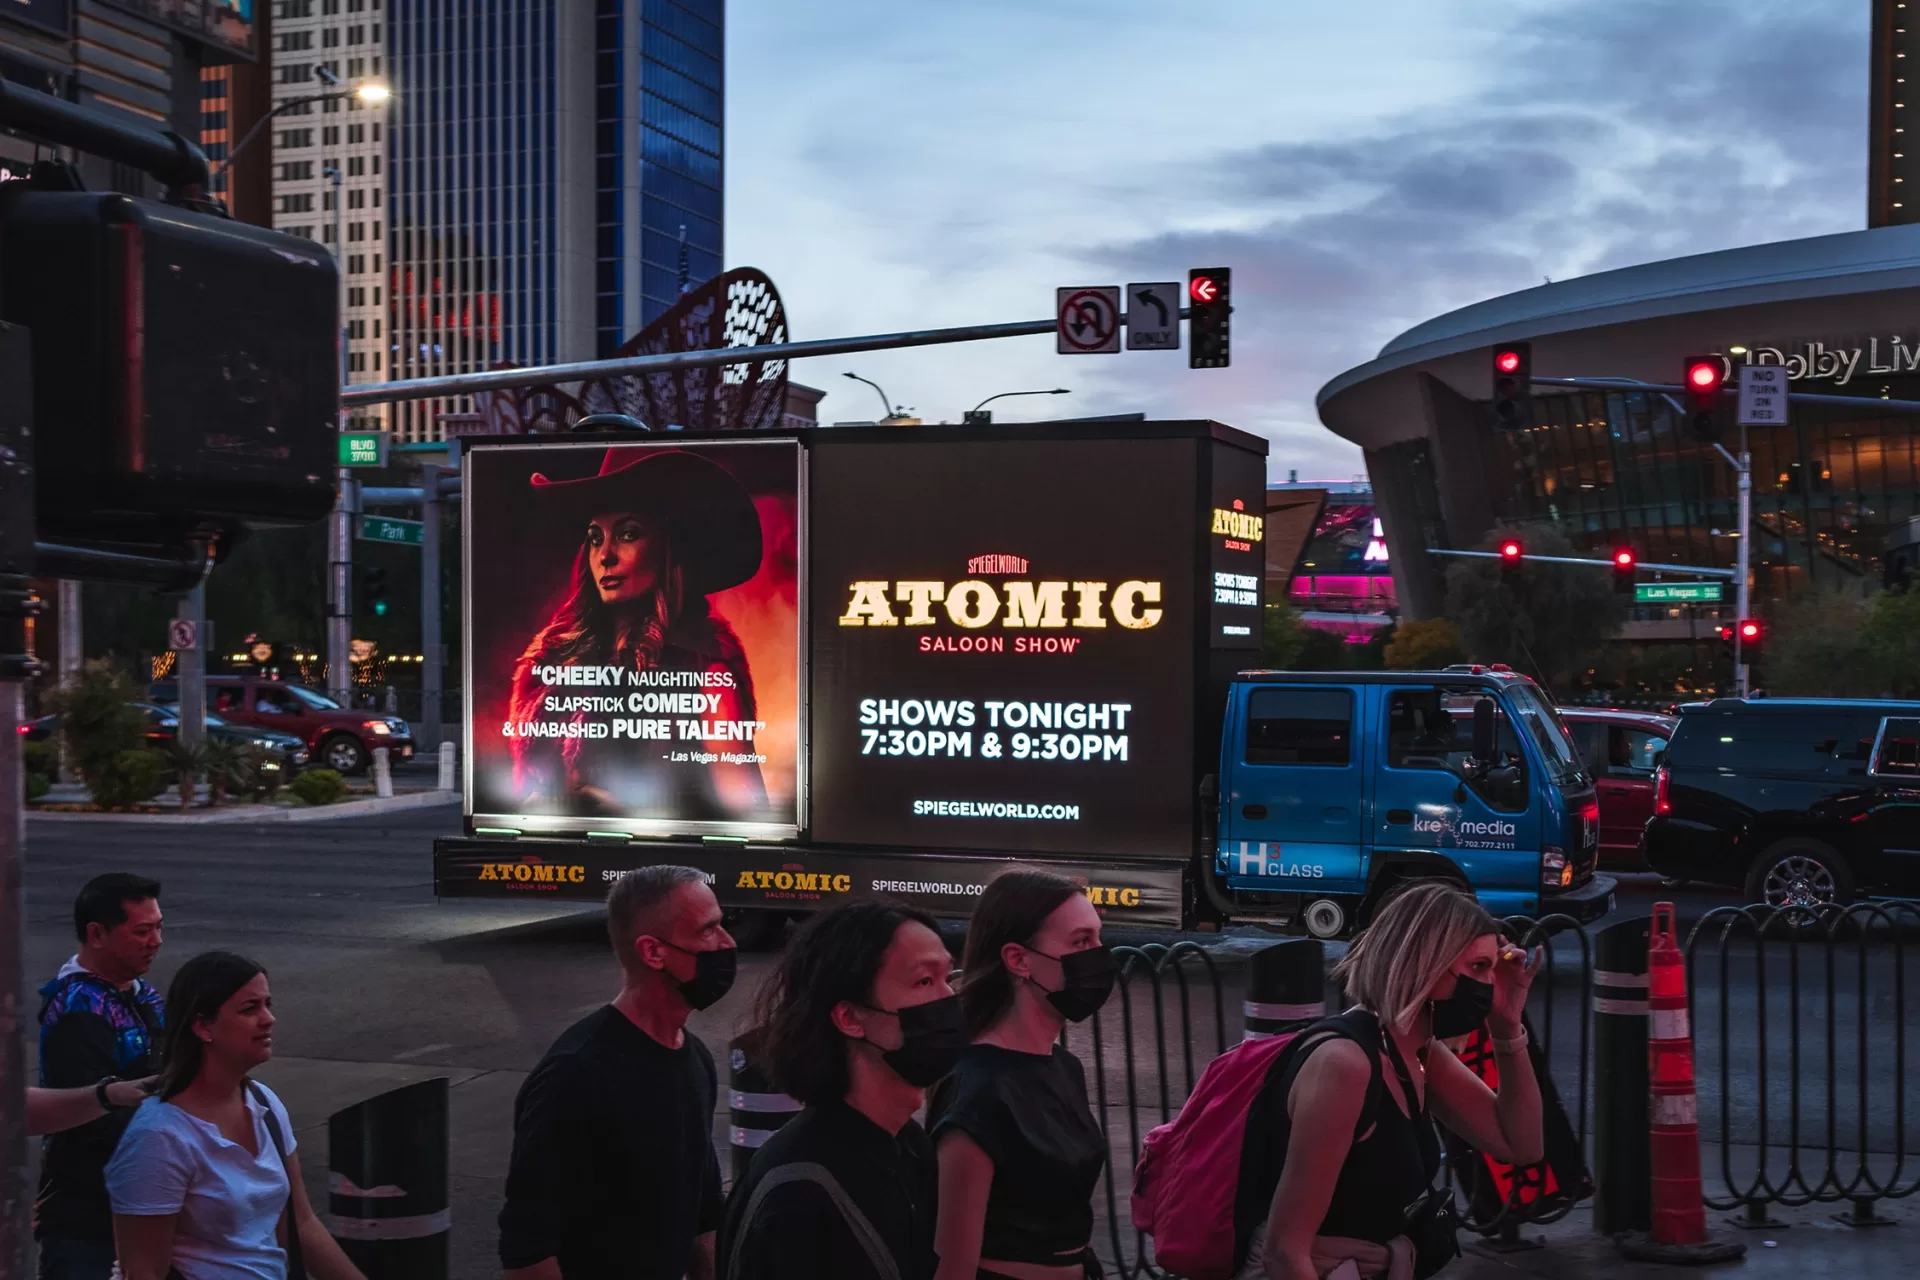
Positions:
{"x": 99, "y": 1019}
{"x": 613, "y": 1171}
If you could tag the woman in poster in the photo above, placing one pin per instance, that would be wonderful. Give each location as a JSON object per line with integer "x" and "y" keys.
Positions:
{"x": 662, "y": 530}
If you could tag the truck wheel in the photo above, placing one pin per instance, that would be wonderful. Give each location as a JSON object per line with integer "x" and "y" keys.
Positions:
{"x": 1325, "y": 918}
{"x": 1800, "y": 873}
{"x": 343, "y": 754}
{"x": 755, "y": 930}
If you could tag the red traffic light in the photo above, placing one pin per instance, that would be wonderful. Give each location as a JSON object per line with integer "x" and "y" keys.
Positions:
{"x": 1203, "y": 289}
{"x": 1749, "y": 630}
{"x": 1623, "y": 558}
{"x": 1511, "y": 550}
{"x": 1507, "y": 361}
{"x": 1703, "y": 375}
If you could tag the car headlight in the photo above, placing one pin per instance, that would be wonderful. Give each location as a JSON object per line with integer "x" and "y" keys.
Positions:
{"x": 398, "y": 726}
{"x": 299, "y": 757}
{"x": 380, "y": 727}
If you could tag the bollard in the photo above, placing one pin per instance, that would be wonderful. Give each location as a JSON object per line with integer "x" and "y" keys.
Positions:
{"x": 387, "y": 1182}
{"x": 1286, "y": 988}
{"x": 755, "y": 1111}
{"x": 1620, "y": 1162}
{"x": 382, "y": 774}
{"x": 1677, "y": 1205}
{"x": 447, "y": 761}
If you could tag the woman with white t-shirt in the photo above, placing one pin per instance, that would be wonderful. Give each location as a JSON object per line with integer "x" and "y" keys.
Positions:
{"x": 204, "y": 1182}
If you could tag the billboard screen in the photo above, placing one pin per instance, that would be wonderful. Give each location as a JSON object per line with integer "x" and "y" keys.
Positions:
{"x": 1004, "y": 639}
{"x": 227, "y": 24}
{"x": 632, "y": 636}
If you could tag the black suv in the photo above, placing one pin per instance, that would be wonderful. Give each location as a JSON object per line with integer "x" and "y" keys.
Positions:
{"x": 1797, "y": 801}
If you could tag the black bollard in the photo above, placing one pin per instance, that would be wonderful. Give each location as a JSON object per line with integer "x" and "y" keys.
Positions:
{"x": 1286, "y": 987}
{"x": 755, "y": 1111}
{"x": 1623, "y": 1177}
{"x": 387, "y": 1183}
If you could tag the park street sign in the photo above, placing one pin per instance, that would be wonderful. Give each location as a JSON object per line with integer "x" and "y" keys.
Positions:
{"x": 363, "y": 448}
{"x": 388, "y": 529}
{"x": 1677, "y": 593}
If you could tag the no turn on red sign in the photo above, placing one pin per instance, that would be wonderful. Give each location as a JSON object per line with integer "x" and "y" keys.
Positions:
{"x": 1087, "y": 320}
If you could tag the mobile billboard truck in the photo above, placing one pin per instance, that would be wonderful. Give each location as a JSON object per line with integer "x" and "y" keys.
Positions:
{"x": 890, "y": 662}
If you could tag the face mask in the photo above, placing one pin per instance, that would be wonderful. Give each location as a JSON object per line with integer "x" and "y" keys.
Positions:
{"x": 932, "y": 1038}
{"x": 1086, "y": 980}
{"x": 1464, "y": 1011}
{"x": 712, "y": 975}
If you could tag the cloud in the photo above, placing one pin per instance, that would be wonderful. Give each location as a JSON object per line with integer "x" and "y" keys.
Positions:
{"x": 1609, "y": 139}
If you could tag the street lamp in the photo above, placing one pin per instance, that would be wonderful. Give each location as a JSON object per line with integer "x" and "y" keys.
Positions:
{"x": 975, "y": 416}
{"x": 368, "y": 91}
{"x": 889, "y": 411}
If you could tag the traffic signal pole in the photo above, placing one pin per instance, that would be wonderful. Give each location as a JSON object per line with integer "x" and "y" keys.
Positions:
{"x": 340, "y": 587}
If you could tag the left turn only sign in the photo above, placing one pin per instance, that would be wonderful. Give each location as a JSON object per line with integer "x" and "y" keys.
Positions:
{"x": 1087, "y": 321}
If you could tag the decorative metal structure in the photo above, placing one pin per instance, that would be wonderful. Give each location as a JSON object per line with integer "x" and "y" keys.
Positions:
{"x": 740, "y": 308}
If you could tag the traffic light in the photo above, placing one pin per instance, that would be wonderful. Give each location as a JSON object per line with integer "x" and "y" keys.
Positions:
{"x": 1209, "y": 312}
{"x": 1511, "y": 554}
{"x": 1512, "y": 400}
{"x": 1752, "y": 637}
{"x": 373, "y": 590}
{"x": 1704, "y": 377}
{"x": 1625, "y": 562}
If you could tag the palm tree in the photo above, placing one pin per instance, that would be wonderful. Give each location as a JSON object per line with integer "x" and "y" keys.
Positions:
{"x": 188, "y": 760}
{"x": 227, "y": 766}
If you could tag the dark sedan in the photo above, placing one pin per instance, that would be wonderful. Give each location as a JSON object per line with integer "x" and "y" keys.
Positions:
{"x": 163, "y": 725}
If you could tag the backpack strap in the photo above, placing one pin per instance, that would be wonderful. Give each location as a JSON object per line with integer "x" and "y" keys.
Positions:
{"x": 1358, "y": 1026}
{"x": 296, "y": 1261}
{"x": 863, "y": 1230}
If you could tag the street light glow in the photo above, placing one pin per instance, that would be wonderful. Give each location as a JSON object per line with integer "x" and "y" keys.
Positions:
{"x": 373, "y": 93}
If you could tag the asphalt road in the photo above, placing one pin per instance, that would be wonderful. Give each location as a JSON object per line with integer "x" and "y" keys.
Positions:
{"x": 378, "y": 985}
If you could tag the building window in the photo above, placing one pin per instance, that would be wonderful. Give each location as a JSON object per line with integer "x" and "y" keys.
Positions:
{"x": 356, "y": 199}
{"x": 356, "y": 231}
{"x": 295, "y": 73}
{"x": 356, "y": 133}
{"x": 330, "y": 38}
{"x": 356, "y": 165}
{"x": 376, "y": 164}
{"x": 301, "y": 203}
{"x": 326, "y": 233}
{"x": 356, "y": 67}
{"x": 330, "y": 135}
{"x": 329, "y": 7}
{"x": 376, "y": 302}
{"x": 293, "y": 41}
{"x": 289, "y": 139}
{"x": 213, "y": 119}
{"x": 296, "y": 171}
{"x": 293, "y": 9}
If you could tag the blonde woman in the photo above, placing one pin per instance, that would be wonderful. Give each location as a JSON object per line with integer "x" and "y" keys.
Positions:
{"x": 1341, "y": 1161}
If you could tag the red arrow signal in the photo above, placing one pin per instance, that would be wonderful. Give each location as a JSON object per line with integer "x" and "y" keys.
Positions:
{"x": 1203, "y": 289}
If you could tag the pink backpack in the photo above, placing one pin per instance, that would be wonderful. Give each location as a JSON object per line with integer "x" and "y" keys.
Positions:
{"x": 1189, "y": 1170}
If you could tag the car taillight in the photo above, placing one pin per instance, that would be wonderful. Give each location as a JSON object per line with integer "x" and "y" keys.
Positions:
{"x": 1660, "y": 802}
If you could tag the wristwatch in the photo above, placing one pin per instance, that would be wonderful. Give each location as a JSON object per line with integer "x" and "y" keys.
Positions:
{"x": 100, "y": 1093}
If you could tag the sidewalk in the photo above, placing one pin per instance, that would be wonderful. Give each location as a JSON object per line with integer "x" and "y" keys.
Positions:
{"x": 1813, "y": 1246}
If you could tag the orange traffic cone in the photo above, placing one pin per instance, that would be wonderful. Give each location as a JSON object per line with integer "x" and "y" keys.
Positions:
{"x": 1679, "y": 1208}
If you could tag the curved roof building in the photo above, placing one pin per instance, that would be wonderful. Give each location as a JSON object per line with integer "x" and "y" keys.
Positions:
{"x": 1831, "y": 488}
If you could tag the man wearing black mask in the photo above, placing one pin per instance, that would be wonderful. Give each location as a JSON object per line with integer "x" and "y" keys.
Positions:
{"x": 856, "y": 1023}
{"x": 613, "y": 1171}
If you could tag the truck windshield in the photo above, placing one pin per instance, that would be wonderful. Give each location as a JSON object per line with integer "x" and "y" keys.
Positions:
{"x": 318, "y": 701}
{"x": 1547, "y": 730}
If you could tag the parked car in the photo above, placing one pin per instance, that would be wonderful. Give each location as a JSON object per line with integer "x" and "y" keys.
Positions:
{"x": 163, "y": 726}
{"x": 1622, "y": 750}
{"x": 338, "y": 737}
{"x": 1799, "y": 802}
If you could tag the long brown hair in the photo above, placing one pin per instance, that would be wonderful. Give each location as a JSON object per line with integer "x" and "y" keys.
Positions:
{"x": 196, "y": 993}
{"x": 1012, "y": 909}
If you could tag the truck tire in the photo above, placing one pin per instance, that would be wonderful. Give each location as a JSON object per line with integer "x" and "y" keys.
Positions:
{"x": 755, "y": 930}
{"x": 344, "y": 754}
{"x": 1800, "y": 872}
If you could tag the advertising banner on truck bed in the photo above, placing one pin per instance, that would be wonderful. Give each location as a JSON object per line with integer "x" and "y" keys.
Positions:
{"x": 1004, "y": 643}
{"x": 633, "y": 645}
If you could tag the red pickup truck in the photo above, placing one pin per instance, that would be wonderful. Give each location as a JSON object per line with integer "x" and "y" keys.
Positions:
{"x": 337, "y": 737}
{"x": 1622, "y": 750}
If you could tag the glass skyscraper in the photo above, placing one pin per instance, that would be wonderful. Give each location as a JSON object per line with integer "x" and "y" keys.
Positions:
{"x": 544, "y": 156}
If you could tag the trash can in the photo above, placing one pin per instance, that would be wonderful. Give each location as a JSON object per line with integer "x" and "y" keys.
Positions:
{"x": 1286, "y": 987}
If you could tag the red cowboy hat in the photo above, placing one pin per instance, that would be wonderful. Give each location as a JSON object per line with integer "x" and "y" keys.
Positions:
{"x": 706, "y": 512}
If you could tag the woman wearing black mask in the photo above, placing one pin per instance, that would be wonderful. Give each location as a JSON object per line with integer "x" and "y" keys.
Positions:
{"x": 856, "y": 1022}
{"x": 1020, "y": 1152}
{"x": 1341, "y": 1160}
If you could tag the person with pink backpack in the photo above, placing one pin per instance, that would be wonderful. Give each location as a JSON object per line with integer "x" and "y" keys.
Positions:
{"x": 1314, "y": 1154}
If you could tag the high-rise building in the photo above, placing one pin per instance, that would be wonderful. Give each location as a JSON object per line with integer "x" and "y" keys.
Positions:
{"x": 1896, "y": 47}
{"x": 335, "y": 150}
{"x": 545, "y": 157}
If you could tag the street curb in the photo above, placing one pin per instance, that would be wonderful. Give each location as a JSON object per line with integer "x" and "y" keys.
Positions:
{"x": 254, "y": 813}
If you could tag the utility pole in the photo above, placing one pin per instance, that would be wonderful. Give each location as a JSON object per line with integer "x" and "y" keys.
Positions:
{"x": 432, "y": 653}
{"x": 72, "y": 656}
{"x": 190, "y": 674}
{"x": 1742, "y": 673}
{"x": 340, "y": 523}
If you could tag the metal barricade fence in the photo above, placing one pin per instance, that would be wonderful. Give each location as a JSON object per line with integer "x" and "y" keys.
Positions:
{"x": 1803, "y": 1074}
{"x": 1842, "y": 1039}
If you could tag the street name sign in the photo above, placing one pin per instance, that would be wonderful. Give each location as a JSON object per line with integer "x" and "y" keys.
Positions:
{"x": 363, "y": 448}
{"x": 1763, "y": 395}
{"x": 1678, "y": 593}
{"x": 1153, "y": 317}
{"x": 1087, "y": 321}
{"x": 387, "y": 529}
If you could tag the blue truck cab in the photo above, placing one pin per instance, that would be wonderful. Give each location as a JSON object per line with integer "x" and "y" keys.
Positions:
{"x": 1335, "y": 787}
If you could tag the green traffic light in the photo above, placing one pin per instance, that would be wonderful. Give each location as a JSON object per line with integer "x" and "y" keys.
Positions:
{"x": 379, "y": 608}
